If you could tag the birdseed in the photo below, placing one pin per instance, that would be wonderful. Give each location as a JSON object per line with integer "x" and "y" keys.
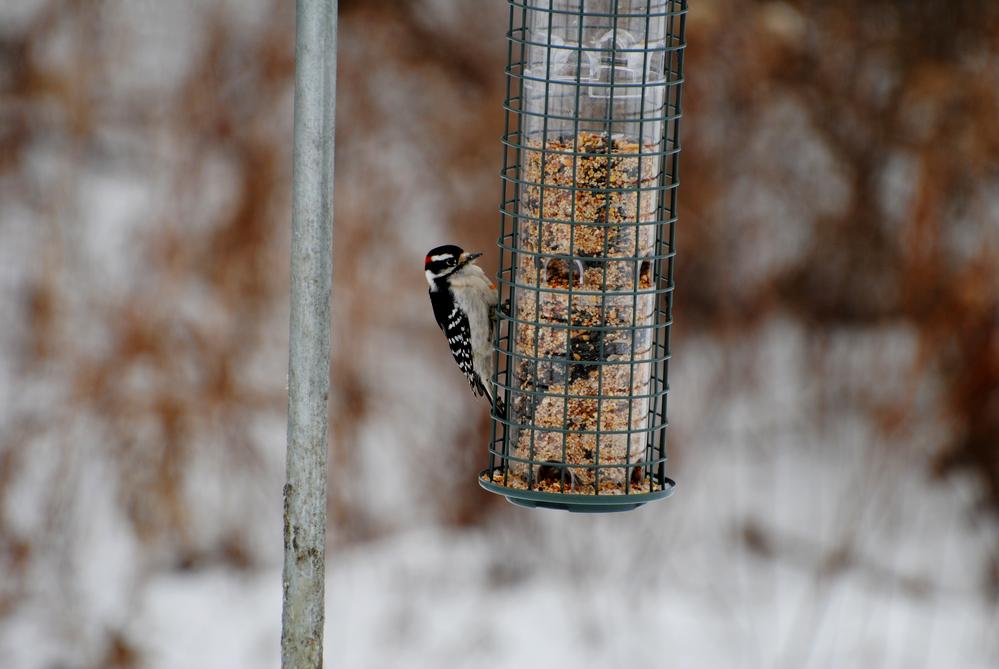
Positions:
{"x": 585, "y": 312}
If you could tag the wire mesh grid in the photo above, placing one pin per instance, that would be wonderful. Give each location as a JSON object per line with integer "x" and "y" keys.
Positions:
{"x": 587, "y": 239}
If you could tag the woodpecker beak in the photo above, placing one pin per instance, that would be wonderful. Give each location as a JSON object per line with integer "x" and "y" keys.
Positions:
{"x": 468, "y": 257}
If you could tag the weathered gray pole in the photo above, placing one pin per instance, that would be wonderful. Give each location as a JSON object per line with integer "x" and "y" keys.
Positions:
{"x": 309, "y": 350}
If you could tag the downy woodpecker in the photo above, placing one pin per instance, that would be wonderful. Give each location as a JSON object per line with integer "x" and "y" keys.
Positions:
{"x": 464, "y": 301}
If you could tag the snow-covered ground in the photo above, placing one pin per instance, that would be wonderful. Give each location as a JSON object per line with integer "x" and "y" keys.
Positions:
{"x": 781, "y": 548}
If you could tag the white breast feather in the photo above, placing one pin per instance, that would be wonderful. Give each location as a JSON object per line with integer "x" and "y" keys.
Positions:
{"x": 474, "y": 294}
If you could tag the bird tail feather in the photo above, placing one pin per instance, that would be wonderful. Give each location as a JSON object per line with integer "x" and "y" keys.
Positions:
{"x": 499, "y": 408}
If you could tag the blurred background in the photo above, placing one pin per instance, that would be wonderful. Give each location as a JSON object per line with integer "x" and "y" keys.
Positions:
{"x": 835, "y": 376}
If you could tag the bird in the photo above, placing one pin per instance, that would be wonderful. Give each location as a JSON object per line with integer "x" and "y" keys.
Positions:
{"x": 464, "y": 302}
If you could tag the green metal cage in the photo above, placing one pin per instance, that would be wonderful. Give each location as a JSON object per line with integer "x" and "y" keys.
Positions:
{"x": 588, "y": 214}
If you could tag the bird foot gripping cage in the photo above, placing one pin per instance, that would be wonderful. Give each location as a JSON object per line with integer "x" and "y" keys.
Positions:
{"x": 586, "y": 252}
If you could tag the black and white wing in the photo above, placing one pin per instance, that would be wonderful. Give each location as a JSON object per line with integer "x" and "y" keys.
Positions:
{"x": 455, "y": 326}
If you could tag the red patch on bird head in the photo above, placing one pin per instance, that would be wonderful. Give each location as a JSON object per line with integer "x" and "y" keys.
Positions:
{"x": 427, "y": 261}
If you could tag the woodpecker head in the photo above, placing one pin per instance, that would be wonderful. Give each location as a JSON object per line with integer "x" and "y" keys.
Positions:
{"x": 444, "y": 261}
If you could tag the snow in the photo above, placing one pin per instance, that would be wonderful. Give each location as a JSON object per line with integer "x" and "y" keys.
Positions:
{"x": 672, "y": 583}
{"x": 586, "y": 597}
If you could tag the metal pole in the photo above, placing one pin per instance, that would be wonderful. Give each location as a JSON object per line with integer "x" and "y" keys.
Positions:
{"x": 309, "y": 349}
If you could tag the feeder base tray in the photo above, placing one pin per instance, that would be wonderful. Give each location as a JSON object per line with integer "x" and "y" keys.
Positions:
{"x": 575, "y": 503}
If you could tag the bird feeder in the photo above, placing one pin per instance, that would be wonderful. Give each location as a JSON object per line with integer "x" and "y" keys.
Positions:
{"x": 586, "y": 253}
